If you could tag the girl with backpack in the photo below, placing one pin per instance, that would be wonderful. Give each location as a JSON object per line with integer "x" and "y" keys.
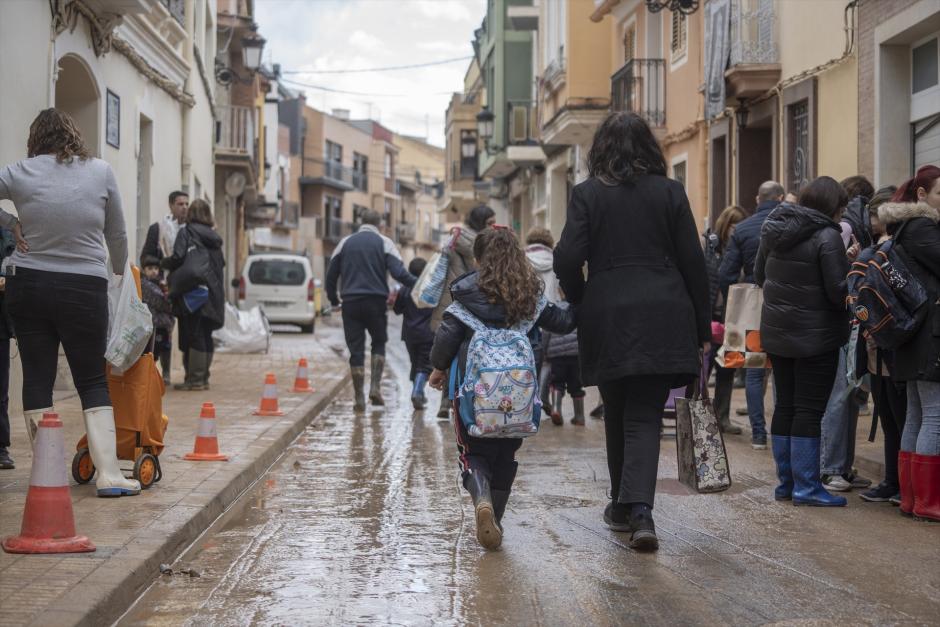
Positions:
{"x": 504, "y": 293}
{"x": 916, "y": 207}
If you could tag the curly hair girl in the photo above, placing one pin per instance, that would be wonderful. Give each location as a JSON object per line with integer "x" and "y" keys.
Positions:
{"x": 505, "y": 275}
{"x": 54, "y": 132}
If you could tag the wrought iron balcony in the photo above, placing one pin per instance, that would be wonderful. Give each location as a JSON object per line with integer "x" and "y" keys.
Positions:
{"x": 235, "y": 130}
{"x": 640, "y": 86}
{"x": 752, "y": 32}
{"x": 330, "y": 174}
{"x": 337, "y": 230}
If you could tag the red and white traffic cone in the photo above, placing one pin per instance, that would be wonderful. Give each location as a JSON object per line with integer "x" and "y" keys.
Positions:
{"x": 302, "y": 380}
{"x": 206, "y": 448}
{"x": 48, "y": 522}
{"x": 269, "y": 406}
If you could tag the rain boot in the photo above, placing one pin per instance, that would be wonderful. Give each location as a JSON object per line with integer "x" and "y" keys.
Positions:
{"x": 904, "y": 478}
{"x": 359, "y": 382}
{"x": 443, "y": 413}
{"x": 501, "y": 497}
{"x": 165, "y": 366}
{"x": 780, "y": 444}
{"x": 545, "y": 388}
{"x": 557, "y": 396}
{"x": 205, "y": 379}
{"x": 807, "y": 486}
{"x": 375, "y": 385}
{"x": 578, "y": 411}
{"x": 102, "y": 444}
{"x": 925, "y": 479}
{"x": 489, "y": 534}
{"x": 33, "y": 416}
{"x": 196, "y": 373}
{"x": 418, "y": 399}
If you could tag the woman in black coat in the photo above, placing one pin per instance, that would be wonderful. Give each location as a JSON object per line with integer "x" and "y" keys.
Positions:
{"x": 644, "y": 312}
{"x": 802, "y": 266}
{"x": 197, "y": 263}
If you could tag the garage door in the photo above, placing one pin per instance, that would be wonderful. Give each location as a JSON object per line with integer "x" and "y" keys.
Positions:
{"x": 927, "y": 142}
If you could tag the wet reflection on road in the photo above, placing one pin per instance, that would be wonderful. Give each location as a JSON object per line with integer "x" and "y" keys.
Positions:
{"x": 362, "y": 522}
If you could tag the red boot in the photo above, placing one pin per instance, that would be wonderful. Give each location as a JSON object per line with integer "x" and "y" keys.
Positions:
{"x": 925, "y": 477}
{"x": 904, "y": 478}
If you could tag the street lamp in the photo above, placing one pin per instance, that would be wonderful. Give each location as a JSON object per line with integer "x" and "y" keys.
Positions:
{"x": 741, "y": 113}
{"x": 252, "y": 47}
{"x": 251, "y": 52}
{"x": 485, "y": 119}
{"x": 686, "y": 7}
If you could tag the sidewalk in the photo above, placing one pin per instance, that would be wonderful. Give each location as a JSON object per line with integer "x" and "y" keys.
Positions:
{"x": 134, "y": 535}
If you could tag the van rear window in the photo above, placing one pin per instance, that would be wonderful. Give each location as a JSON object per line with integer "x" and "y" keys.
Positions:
{"x": 276, "y": 272}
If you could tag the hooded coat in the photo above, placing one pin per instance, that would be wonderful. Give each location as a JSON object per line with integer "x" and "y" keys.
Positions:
{"x": 919, "y": 243}
{"x": 541, "y": 258}
{"x": 801, "y": 265}
{"x": 200, "y": 234}
{"x": 453, "y": 336}
{"x": 644, "y": 306}
{"x": 460, "y": 255}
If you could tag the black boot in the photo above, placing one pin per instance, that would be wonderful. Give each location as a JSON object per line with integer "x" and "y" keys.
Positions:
{"x": 578, "y": 419}
{"x": 501, "y": 497}
{"x": 489, "y": 534}
{"x": 375, "y": 385}
{"x": 642, "y": 530}
{"x": 359, "y": 382}
{"x": 166, "y": 366}
{"x": 6, "y": 462}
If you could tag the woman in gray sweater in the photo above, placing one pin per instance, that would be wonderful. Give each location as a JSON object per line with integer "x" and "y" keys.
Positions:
{"x": 68, "y": 208}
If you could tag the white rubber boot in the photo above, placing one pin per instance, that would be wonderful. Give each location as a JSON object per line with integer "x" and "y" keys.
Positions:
{"x": 102, "y": 444}
{"x": 33, "y": 416}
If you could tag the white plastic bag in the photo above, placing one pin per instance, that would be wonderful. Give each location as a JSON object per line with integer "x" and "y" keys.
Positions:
{"x": 428, "y": 290}
{"x": 243, "y": 332}
{"x": 130, "y": 324}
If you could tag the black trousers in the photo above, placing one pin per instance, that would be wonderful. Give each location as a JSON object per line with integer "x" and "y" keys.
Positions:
{"x": 803, "y": 388}
{"x": 891, "y": 405}
{"x": 369, "y": 313}
{"x": 633, "y": 414}
{"x": 724, "y": 387}
{"x": 4, "y": 393}
{"x": 566, "y": 376}
{"x": 196, "y": 333}
{"x": 420, "y": 356}
{"x": 495, "y": 458}
{"x": 52, "y": 308}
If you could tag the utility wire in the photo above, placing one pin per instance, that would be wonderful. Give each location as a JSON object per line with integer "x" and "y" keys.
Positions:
{"x": 360, "y": 93}
{"x": 380, "y": 69}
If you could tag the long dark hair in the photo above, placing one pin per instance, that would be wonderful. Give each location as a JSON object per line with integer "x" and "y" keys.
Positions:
{"x": 478, "y": 216}
{"x": 54, "y": 132}
{"x": 824, "y": 194}
{"x": 506, "y": 276}
{"x": 623, "y": 149}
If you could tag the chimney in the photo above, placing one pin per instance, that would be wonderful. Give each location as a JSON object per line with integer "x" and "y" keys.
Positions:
{"x": 342, "y": 114}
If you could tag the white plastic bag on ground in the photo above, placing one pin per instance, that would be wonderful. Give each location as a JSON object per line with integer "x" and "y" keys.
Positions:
{"x": 243, "y": 331}
{"x": 130, "y": 324}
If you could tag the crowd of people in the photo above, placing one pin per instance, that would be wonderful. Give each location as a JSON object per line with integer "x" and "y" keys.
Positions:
{"x": 67, "y": 239}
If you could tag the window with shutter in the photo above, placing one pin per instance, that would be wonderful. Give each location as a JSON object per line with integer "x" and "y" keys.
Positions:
{"x": 679, "y": 34}
{"x": 629, "y": 43}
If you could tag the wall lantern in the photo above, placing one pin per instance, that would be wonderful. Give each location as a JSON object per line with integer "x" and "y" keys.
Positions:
{"x": 485, "y": 119}
{"x": 686, "y": 7}
{"x": 741, "y": 113}
{"x": 251, "y": 52}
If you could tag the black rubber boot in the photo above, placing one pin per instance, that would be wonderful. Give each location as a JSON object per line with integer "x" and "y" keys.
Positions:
{"x": 501, "y": 497}
{"x": 489, "y": 533}
{"x": 578, "y": 419}
{"x": 359, "y": 382}
{"x": 375, "y": 384}
{"x": 557, "y": 396}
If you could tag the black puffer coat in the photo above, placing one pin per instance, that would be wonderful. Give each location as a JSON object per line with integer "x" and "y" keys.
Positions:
{"x": 453, "y": 336}
{"x": 919, "y": 242}
{"x": 644, "y": 307}
{"x": 801, "y": 265}
{"x": 199, "y": 234}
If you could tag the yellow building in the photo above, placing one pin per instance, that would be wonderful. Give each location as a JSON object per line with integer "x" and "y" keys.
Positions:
{"x": 420, "y": 180}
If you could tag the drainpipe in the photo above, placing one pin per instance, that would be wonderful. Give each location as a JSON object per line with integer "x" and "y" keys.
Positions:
{"x": 191, "y": 87}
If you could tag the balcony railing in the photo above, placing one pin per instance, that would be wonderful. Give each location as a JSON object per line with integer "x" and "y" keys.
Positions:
{"x": 640, "y": 86}
{"x": 523, "y": 122}
{"x": 288, "y": 215}
{"x": 752, "y": 32}
{"x": 235, "y": 130}
{"x": 337, "y": 230}
{"x": 330, "y": 173}
{"x": 360, "y": 180}
{"x": 177, "y": 9}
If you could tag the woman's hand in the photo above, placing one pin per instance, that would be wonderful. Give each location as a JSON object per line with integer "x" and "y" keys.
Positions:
{"x": 852, "y": 251}
{"x": 21, "y": 244}
{"x": 437, "y": 379}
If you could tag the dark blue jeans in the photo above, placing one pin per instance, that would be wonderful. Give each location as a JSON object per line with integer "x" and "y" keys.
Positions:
{"x": 53, "y": 308}
{"x": 754, "y": 393}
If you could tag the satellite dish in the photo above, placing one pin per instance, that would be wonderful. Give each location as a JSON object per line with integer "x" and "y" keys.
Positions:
{"x": 235, "y": 184}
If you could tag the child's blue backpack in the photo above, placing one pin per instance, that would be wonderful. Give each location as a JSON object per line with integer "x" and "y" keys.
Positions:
{"x": 886, "y": 298}
{"x": 497, "y": 396}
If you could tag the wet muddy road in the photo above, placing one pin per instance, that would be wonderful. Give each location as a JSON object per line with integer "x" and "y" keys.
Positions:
{"x": 362, "y": 522}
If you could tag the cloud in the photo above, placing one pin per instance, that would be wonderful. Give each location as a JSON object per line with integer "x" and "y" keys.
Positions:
{"x": 451, "y": 10}
{"x": 365, "y": 41}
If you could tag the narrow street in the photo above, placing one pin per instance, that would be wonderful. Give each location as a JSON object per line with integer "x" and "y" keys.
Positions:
{"x": 362, "y": 522}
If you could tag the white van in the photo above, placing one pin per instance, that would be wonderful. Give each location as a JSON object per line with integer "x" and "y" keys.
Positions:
{"x": 282, "y": 285}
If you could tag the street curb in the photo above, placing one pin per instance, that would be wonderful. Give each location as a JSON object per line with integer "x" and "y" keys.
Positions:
{"x": 112, "y": 597}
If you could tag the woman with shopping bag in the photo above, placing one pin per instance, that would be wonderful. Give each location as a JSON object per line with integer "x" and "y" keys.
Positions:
{"x": 68, "y": 206}
{"x": 196, "y": 289}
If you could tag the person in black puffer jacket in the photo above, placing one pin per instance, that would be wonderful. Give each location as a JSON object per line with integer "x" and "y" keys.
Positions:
{"x": 802, "y": 266}
{"x": 197, "y": 322}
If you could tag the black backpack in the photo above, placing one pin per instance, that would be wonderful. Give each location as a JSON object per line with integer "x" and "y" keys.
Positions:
{"x": 886, "y": 298}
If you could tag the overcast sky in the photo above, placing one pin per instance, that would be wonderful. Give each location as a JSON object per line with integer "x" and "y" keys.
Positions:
{"x": 351, "y": 34}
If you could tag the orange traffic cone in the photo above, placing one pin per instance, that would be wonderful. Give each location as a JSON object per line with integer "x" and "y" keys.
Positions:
{"x": 206, "y": 448}
{"x": 48, "y": 522}
{"x": 269, "y": 398}
{"x": 302, "y": 380}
